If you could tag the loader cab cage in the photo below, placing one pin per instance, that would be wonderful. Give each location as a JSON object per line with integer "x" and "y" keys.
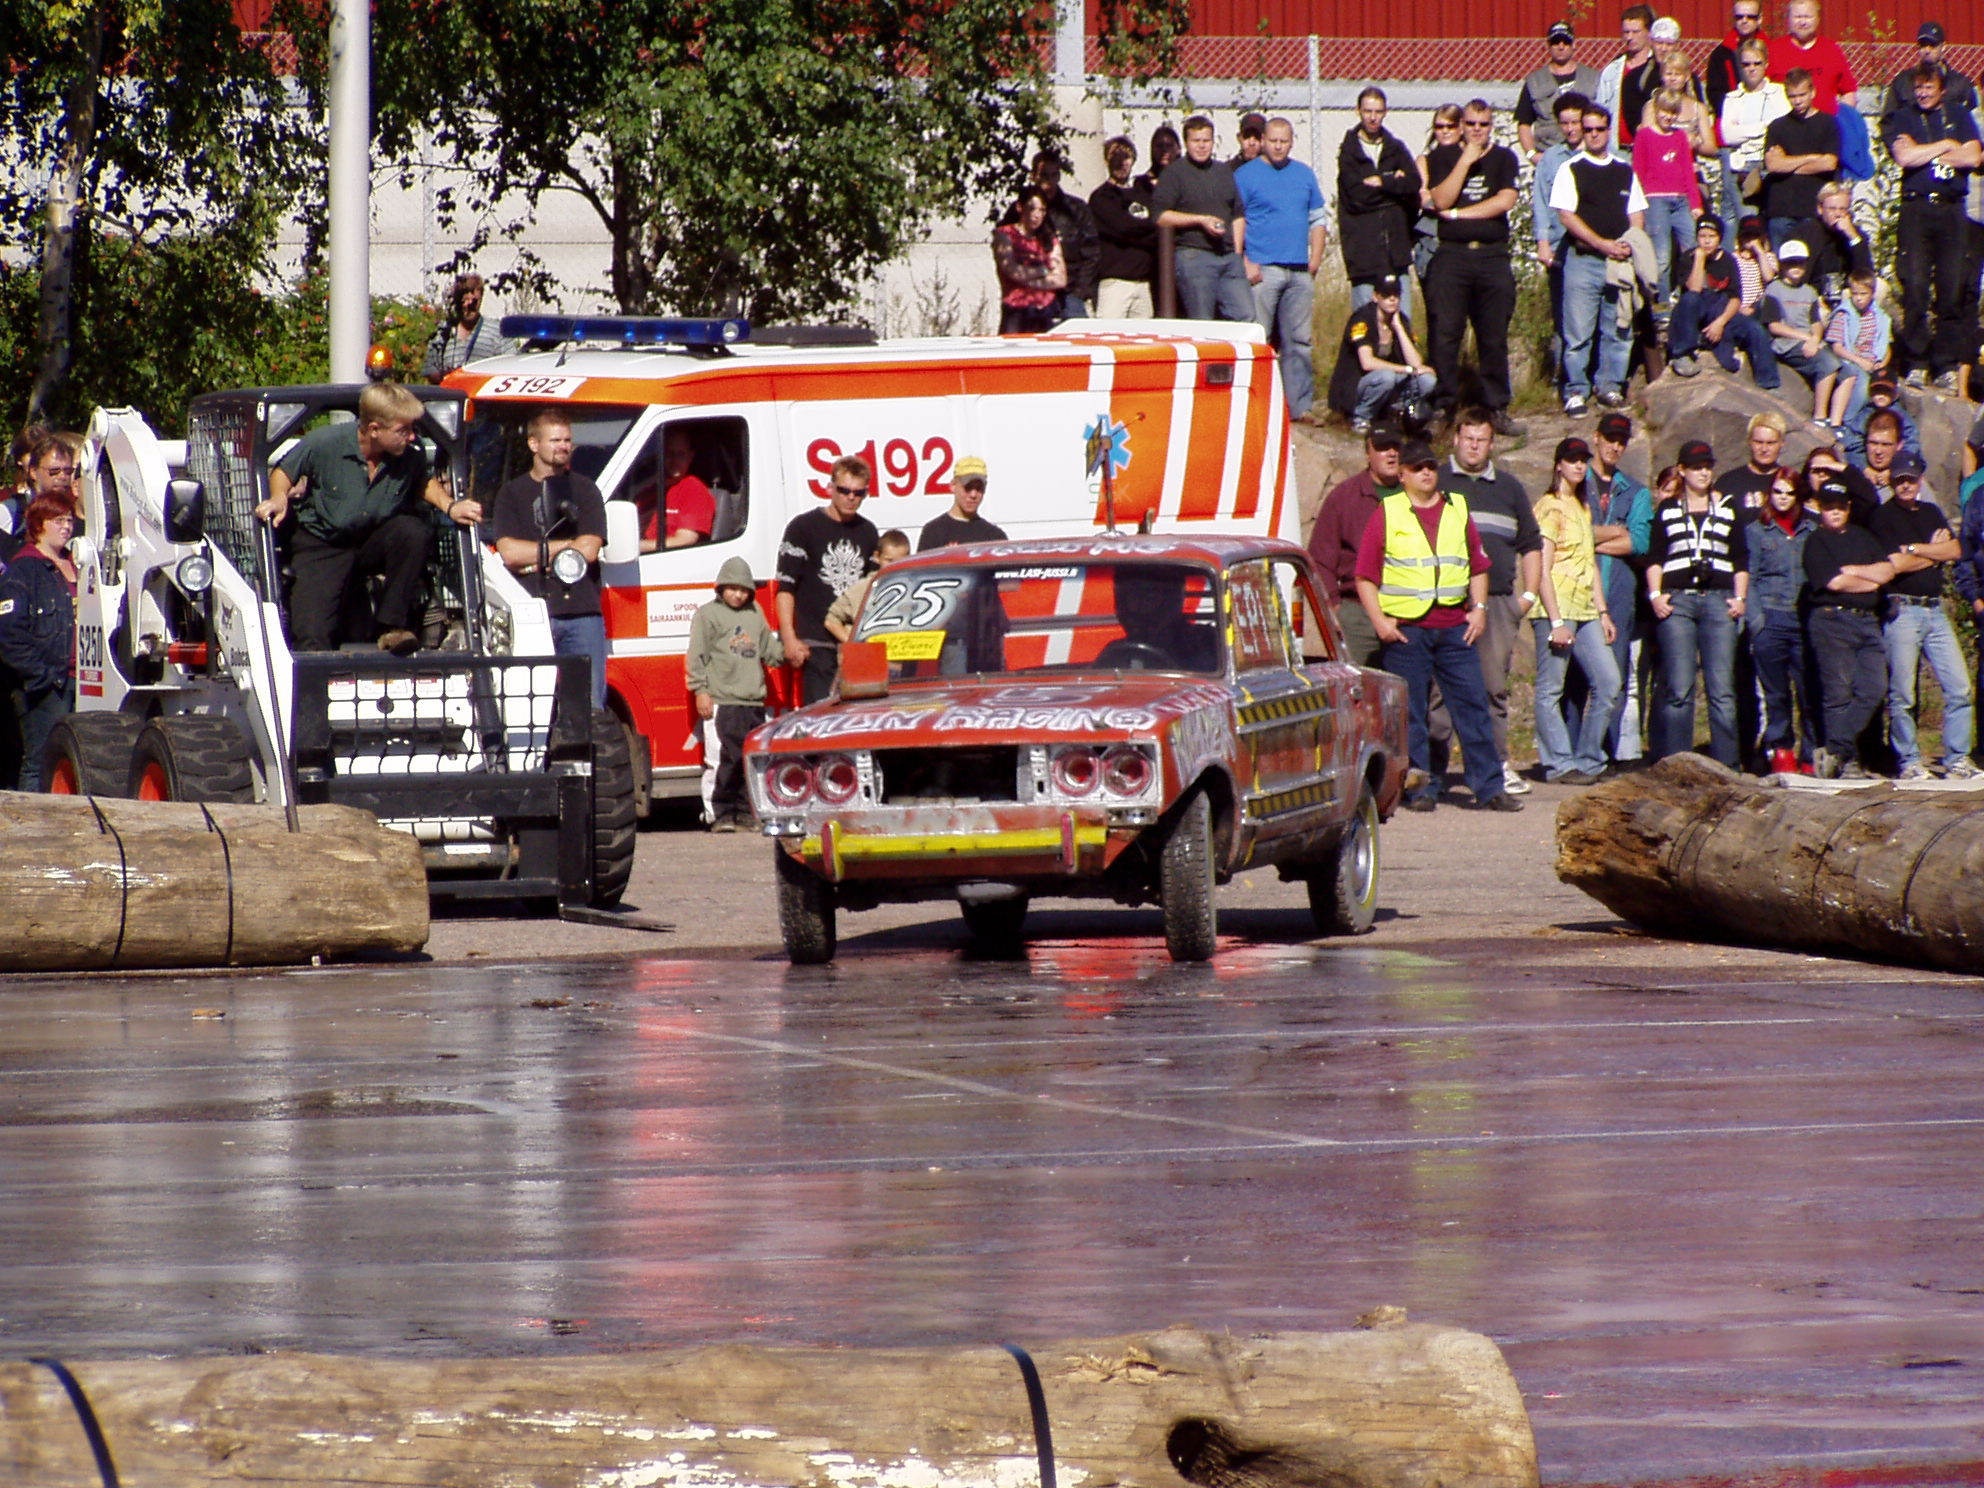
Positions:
{"x": 232, "y": 437}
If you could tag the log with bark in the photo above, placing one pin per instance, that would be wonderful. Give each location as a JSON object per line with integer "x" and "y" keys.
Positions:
{"x": 92, "y": 883}
{"x": 1399, "y": 1405}
{"x": 1693, "y": 850}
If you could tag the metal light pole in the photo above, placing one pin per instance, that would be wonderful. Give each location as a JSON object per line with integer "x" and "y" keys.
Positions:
{"x": 351, "y": 188}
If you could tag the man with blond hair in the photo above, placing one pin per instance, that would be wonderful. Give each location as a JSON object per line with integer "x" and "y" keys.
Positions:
{"x": 353, "y": 489}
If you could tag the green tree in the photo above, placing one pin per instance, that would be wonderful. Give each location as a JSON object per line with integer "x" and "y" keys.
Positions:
{"x": 756, "y": 155}
{"x": 161, "y": 143}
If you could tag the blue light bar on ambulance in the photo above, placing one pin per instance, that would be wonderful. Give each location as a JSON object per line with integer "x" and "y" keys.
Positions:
{"x": 628, "y": 330}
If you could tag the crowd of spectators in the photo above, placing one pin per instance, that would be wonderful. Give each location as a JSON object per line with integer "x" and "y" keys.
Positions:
{"x": 1799, "y": 603}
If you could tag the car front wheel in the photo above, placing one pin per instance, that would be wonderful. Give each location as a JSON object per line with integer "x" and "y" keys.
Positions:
{"x": 1343, "y": 894}
{"x": 1185, "y": 883}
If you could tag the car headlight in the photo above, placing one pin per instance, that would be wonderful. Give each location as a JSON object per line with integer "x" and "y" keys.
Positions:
{"x": 1127, "y": 772}
{"x": 1076, "y": 772}
{"x": 789, "y": 782}
{"x": 835, "y": 779}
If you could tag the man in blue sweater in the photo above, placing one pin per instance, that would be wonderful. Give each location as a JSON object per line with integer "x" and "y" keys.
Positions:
{"x": 1287, "y": 226}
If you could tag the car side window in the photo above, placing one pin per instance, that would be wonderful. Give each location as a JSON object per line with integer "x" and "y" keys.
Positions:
{"x": 1315, "y": 635}
{"x": 1262, "y": 636}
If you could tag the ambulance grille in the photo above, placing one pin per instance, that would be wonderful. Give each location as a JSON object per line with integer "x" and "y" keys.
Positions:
{"x": 957, "y": 777}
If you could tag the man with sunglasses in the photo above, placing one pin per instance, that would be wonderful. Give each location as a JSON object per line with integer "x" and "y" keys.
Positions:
{"x": 1471, "y": 281}
{"x": 823, "y": 553}
{"x": 1745, "y": 112}
{"x": 1422, "y": 578}
{"x": 1724, "y": 73}
{"x": 1536, "y": 106}
{"x": 1920, "y": 542}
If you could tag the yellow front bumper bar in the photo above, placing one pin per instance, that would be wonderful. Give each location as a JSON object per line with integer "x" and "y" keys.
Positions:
{"x": 836, "y": 848}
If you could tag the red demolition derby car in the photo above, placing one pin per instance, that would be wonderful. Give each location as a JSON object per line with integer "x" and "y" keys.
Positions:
{"x": 1126, "y": 718}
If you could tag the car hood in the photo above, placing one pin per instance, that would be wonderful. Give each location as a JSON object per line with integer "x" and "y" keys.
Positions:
{"x": 1109, "y": 707}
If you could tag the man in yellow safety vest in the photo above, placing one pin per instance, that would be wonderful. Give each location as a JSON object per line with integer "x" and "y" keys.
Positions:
{"x": 1423, "y": 579}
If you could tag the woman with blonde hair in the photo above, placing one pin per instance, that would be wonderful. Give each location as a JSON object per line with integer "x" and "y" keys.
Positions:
{"x": 1571, "y": 619}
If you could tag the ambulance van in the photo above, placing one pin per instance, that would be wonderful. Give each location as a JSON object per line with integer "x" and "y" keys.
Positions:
{"x": 1187, "y": 416}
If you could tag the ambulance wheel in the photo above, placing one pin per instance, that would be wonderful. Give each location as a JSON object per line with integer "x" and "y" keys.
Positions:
{"x": 192, "y": 757}
{"x": 997, "y": 922}
{"x": 1185, "y": 882}
{"x": 1343, "y": 894}
{"x": 805, "y": 911}
{"x": 89, "y": 754}
{"x": 613, "y": 819}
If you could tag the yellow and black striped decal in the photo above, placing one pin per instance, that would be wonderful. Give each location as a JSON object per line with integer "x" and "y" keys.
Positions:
{"x": 1299, "y": 798}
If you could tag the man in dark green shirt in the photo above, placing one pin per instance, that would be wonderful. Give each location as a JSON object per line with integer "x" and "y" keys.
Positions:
{"x": 353, "y": 488}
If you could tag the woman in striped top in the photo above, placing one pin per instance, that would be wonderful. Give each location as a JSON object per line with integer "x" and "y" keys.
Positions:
{"x": 1698, "y": 577}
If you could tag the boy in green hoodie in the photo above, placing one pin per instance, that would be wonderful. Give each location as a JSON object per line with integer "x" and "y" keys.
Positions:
{"x": 730, "y": 645}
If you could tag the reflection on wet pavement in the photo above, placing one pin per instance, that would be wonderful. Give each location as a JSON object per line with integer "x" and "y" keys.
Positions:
{"x": 1711, "y": 1227}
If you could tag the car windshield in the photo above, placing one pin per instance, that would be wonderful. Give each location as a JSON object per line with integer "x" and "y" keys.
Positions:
{"x": 1044, "y": 617}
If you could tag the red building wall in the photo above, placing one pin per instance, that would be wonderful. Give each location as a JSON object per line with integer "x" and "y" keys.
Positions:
{"x": 1845, "y": 19}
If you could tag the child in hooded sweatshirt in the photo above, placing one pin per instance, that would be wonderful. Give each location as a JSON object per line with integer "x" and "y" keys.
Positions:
{"x": 730, "y": 645}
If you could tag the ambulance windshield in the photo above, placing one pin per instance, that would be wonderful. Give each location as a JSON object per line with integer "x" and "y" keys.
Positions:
{"x": 952, "y": 622}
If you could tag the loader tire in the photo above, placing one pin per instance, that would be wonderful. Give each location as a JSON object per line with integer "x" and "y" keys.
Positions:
{"x": 89, "y": 754}
{"x": 192, "y": 757}
{"x": 614, "y": 824}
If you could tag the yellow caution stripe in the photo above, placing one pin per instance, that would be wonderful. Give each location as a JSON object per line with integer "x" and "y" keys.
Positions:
{"x": 836, "y": 848}
{"x": 1281, "y": 709}
{"x": 1274, "y": 803}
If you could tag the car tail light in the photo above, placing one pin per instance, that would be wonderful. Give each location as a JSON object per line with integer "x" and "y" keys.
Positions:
{"x": 836, "y": 779}
{"x": 789, "y": 782}
{"x": 1076, "y": 772}
{"x": 1126, "y": 772}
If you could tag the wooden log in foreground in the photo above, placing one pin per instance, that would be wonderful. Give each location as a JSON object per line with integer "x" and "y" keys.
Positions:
{"x": 1398, "y": 1406}
{"x": 95, "y": 883}
{"x": 1694, "y": 850}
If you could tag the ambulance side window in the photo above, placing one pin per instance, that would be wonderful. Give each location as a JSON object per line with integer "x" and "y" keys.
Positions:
{"x": 690, "y": 482}
{"x": 1315, "y": 637}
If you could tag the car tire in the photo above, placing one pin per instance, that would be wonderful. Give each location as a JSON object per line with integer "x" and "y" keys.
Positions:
{"x": 191, "y": 757}
{"x": 1343, "y": 893}
{"x": 805, "y": 911}
{"x": 89, "y": 754}
{"x": 998, "y": 922}
{"x": 614, "y": 824}
{"x": 1185, "y": 884}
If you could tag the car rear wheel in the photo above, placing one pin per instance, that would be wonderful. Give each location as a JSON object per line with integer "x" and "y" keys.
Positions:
{"x": 1343, "y": 894}
{"x": 1185, "y": 883}
{"x": 614, "y": 825}
{"x": 89, "y": 754}
{"x": 192, "y": 757}
{"x": 995, "y": 921}
{"x": 805, "y": 911}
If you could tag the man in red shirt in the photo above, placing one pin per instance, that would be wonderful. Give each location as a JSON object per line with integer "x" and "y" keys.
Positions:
{"x": 1832, "y": 78}
{"x": 1340, "y": 524}
{"x": 687, "y": 512}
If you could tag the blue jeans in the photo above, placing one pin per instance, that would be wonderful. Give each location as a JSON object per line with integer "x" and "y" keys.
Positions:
{"x": 1784, "y": 669}
{"x": 1700, "y": 626}
{"x": 1381, "y": 390}
{"x": 1781, "y": 228}
{"x": 1284, "y": 307}
{"x": 1670, "y": 222}
{"x": 1213, "y": 286}
{"x": 1856, "y": 378}
{"x": 1591, "y": 310}
{"x": 1430, "y": 654}
{"x": 1923, "y": 631}
{"x": 1073, "y": 306}
{"x": 1731, "y": 209}
{"x": 1743, "y": 333}
{"x": 583, "y": 635}
{"x": 1554, "y": 745}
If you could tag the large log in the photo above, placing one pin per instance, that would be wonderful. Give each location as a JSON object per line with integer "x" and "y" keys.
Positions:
{"x": 1693, "y": 850}
{"x": 94, "y": 884}
{"x": 1397, "y": 1406}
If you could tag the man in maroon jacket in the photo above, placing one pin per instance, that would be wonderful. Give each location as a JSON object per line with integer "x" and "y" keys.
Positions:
{"x": 1340, "y": 524}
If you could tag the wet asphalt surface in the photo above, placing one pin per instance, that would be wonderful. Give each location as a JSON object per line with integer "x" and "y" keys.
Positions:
{"x": 1721, "y": 1209}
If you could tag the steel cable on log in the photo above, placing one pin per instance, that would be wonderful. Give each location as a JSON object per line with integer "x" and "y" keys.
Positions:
{"x": 86, "y": 1414}
{"x": 123, "y": 880}
{"x": 1036, "y": 1402}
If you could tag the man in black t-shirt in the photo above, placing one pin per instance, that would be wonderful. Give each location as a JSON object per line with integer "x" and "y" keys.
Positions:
{"x": 823, "y": 553}
{"x": 539, "y": 519}
{"x": 1599, "y": 201}
{"x": 1470, "y": 281}
{"x": 1937, "y": 149}
{"x": 962, "y": 523}
{"x": 1801, "y": 154}
{"x": 1921, "y": 542}
{"x": 1845, "y": 570}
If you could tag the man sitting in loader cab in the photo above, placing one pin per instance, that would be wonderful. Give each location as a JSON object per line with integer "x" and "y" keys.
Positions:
{"x": 353, "y": 487}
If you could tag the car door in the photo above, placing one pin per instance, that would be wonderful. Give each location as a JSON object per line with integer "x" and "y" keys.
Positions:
{"x": 1335, "y": 685}
{"x": 1277, "y": 705}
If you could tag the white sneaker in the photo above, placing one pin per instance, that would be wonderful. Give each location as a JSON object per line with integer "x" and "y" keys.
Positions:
{"x": 1961, "y": 767}
{"x": 1916, "y": 771}
{"x": 1513, "y": 783}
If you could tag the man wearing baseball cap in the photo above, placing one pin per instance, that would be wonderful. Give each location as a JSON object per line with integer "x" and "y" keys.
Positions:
{"x": 1423, "y": 580}
{"x": 1253, "y": 132}
{"x": 1921, "y": 542}
{"x": 1339, "y": 531}
{"x": 1958, "y": 91}
{"x": 962, "y": 523}
{"x": 1536, "y": 105}
{"x": 1845, "y": 572}
{"x": 1621, "y": 528}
